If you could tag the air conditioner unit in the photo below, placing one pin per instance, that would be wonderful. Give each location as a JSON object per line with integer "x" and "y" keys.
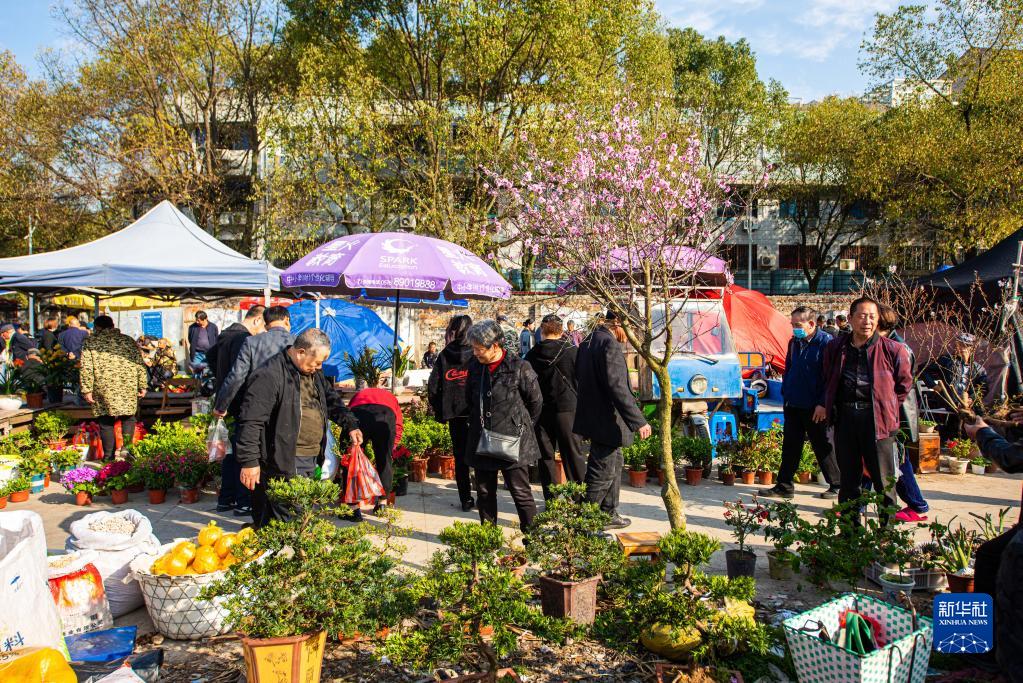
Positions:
{"x": 767, "y": 261}
{"x": 407, "y": 222}
{"x": 847, "y": 264}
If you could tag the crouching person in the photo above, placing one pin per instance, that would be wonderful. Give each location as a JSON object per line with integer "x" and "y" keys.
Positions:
{"x": 282, "y": 423}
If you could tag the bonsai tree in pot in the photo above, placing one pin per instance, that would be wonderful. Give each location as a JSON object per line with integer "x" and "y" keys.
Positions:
{"x": 470, "y": 607}
{"x": 567, "y": 543}
{"x": 51, "y": 428}
{"x": 311, "y": 578}
{"x": 698, "y": 452}
{"x": 744, "y": 520}
{"x": 955, "y": 551}
{"x": 781, "y": 530}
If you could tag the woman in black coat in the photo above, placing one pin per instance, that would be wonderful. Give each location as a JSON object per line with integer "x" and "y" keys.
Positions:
{"x": 504, "y": 397}
{"x": 447, "y": 393}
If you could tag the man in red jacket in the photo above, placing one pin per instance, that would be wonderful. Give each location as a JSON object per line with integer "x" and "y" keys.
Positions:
{"x": 866, "y": 378}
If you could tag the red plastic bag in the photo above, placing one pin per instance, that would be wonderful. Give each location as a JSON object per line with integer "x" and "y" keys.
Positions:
{"x": 363, "y": 485}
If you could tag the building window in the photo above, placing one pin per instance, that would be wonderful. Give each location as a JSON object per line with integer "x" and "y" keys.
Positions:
{"x": 796, "y": 256}
{"x": 736, "y": 255}
{"x": 736, "y": 208}
{"x": 865, "y": 255}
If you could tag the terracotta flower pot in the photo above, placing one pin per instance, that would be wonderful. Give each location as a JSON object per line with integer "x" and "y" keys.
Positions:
{"x": 417, "y": 472}
{"x": 447, "y": 467}
{"x": 559, "y": 471}
{"x": 575, "y": 600}
{"x": 637, "y": 478}
{"x": 18, "y": 496}
{"x": 56, "y": 444}
{"x": 46, "y": 480}
{"x": 83, "y": 498}
{"x": 301, "y": 656}
{"x": 119, "y": 496}
{"x": 804, "y": 477}
{"x": 433, "y": 463}
{"x": 35, "y": 400}
{"x": 157, "y": 496}
{"x": 136, "y": 488}
{"x": 749, "y": 477}
{"x": 3, "y": 502}
{"x": 190, "y": 496}
{"x": 959, "y": 584}
{"x": 694, "y": 475}
{"x": 765, "y": 478}
{"x": 728, "y": 478}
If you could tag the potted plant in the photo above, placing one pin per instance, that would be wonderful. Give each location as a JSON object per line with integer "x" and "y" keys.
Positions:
{"x": 82, "y": 482}
{"x": 366, "y": 368}
{"x": 190, "y": 469}
{"x": 698, "y": 452}
{"x": 635, "y": 459}
{"x": 441, "y": 447}
{"x": 744, "y": 520}
{"x": 64, "y": 459}
{"x": 926, "y": 426}
{"x": 113, "y": 478}
{"x": 4, "y": 493}
{"x": 781, "y": 530}
{"x": 401, "y": 461}
{"x": 768, "y": 455}
{"x": 58, "y": 372}
{"x": 567, "y": 543}
{"x": 979, "y": 465}
{"x": 170, "y": 449}
{"x": 726, "y": 473}
{"x": 51, "y": 428}
{"x": 334, "y": 578}
{"x": 35, "y": 464}
{"x": 417, "y": 441}
{"x": 18, "y": 489}
{"x": 741, "y": 452}
{"x": 32, "y": 382}
{"x": 808, "y": 466}
{"x": 471, "y": 606}
{"x": 402, "y": 364}
{"x": 961, "y": 451}
{"x": 895, "y": 551}
{"x": 10, "y": 391}
{"x": 955, "y": 550}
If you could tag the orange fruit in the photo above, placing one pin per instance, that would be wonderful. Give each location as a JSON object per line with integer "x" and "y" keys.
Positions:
{"x": 244, "y": 534}
{"x": 206, "y": 560}
{"x": 228, "y": 561}
{"x": 160, "y": 566}
{"x": 224, "y": 544}
{"x": 177, "y": 566}
{"x": 184, "y": 550}
{"x": 210, "y": 534}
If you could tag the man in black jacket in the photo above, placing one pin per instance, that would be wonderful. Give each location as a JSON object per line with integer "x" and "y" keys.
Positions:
{"x": 254, "y": 352}
{"x": 607, "y": 415}
{"x": 18, "y": 344}
{"x": 553, "y": 361}
{"x": 998, "y": 569}
{"x": 48, "y": 333}
{"x": 282, "y": 427}
{"x": 233, "y": 496}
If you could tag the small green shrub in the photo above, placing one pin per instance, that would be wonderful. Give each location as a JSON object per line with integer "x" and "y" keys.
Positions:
{"x": 52, "y": 425}
{"x": 566, "y": 540}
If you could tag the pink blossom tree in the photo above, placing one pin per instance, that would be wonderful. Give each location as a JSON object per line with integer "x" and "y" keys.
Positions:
{"x": 626, "y": 213}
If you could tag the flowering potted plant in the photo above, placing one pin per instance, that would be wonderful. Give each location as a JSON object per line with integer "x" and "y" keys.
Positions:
{"x": 744, "y": 520}
{"x": 18, "y": 489}
{"x": 190, "y": 468}
{"x": 158, "y": 457}
{"x": 961, "y": 451}
{"x": 58, "y": 371}
{"x": 113, "y": 478}
{"x": 81, "y": 481}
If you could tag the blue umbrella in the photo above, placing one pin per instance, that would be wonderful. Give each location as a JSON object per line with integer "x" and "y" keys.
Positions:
{"x": 350, "y": 327}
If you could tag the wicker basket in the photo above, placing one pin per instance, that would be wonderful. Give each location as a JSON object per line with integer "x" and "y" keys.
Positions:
{"x": 173, "y": 601}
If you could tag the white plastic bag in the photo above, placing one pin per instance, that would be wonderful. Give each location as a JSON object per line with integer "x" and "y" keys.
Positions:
{"x": 29, "y": 617}
{"x": 114, "y": 553}
{"x": 331, "y": 462}
{"x": 217, "y": 440}
{"x": 77, "y": 589}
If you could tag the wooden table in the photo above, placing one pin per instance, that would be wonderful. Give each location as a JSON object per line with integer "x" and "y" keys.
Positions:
{"x": 640, "y": 544}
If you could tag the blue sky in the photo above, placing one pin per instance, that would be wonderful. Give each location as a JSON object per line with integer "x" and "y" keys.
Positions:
{"x": 811, "y": 46}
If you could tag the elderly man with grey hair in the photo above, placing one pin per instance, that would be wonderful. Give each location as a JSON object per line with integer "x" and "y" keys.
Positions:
{"x": 282, "y": 423}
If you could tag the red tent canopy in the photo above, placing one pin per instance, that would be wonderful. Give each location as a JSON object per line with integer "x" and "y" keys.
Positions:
{"x": 756, "y": 325}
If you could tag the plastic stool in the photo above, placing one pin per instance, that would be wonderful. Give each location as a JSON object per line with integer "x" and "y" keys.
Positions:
{"x": 640, "y": 544}
{"x": 722, "y": 427}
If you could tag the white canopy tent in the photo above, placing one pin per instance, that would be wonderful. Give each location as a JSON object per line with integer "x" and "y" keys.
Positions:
{"x": 162, "y": 254}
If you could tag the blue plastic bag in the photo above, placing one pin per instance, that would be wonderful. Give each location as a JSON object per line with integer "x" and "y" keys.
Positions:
{"x": 102, "y": 646}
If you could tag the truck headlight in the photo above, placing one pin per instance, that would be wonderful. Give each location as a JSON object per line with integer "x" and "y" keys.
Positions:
{"x": 698, "y": 384}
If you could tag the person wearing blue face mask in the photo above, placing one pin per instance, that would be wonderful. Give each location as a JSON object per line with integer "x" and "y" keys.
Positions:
{"x": 803, "y": 392}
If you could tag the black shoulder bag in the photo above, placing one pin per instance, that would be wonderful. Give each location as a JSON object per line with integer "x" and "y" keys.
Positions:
{"x": 503, "y": 447}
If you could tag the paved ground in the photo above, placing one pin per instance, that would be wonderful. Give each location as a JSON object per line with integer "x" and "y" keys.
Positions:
{"x": 432, "y": 505}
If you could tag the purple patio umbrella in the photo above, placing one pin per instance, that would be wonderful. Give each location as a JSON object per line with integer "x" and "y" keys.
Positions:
{"x": 395, "y": 264}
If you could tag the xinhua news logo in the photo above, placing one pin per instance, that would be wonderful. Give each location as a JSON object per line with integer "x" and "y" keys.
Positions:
{"x": 963, "y": 623}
